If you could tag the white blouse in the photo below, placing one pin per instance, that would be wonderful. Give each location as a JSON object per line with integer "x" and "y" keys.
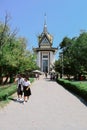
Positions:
{"x": 26, "y": 83}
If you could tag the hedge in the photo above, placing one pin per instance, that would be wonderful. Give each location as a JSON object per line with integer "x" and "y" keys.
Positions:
{"x": 7, "y": 92}
{"x": 79, "y": 88}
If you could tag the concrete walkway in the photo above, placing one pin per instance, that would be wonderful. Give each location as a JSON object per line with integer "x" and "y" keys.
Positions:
{"x": 50, "y": 107}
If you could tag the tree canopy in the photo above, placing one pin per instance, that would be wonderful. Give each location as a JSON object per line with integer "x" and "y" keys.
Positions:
{"x": 74, "y": 55}
{"x": 14, "y": 55}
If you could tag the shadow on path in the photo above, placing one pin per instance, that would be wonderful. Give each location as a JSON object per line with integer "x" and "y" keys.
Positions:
{"x": 15, "y": 100}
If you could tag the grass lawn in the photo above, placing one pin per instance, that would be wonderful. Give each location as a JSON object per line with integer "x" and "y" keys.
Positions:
{"x": 80, "y": 84}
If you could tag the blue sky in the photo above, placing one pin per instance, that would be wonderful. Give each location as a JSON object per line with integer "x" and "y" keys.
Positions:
{"x": 63, "y": 18}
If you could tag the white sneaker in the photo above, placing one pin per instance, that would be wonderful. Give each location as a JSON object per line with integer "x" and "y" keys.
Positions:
{"x": 21, "y": 99}
{"x": 18, "y": 99}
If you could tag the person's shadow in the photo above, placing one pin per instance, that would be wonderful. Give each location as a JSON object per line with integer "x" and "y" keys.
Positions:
{"x": 15, "y": 100}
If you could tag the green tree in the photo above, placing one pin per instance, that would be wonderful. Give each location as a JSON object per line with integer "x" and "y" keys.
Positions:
{"x": 5, "y": 38}
{"x": 15, "y": 58}
{"x": 79, "y": 53}
{"x": 74, "y": 55}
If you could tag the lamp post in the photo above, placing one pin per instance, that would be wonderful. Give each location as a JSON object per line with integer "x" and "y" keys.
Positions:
{"x": 62, "y": 71}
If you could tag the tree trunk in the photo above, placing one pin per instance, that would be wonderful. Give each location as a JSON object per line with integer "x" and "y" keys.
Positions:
{"x": 6, "y": 80}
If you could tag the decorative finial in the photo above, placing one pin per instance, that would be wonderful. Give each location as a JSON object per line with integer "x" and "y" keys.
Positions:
{"x": 45, "y": 19}
{"x": 45, "y": 26}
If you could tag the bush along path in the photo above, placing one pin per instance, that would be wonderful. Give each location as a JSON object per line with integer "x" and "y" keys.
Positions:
{"x": 79, "y": 88}
{"x": 5, "y": 92}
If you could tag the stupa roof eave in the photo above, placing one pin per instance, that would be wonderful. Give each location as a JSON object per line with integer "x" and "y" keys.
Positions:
{"x": 45, "y": 49}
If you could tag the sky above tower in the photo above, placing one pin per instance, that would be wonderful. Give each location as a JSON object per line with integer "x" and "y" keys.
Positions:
{"x": 63, "y": 18}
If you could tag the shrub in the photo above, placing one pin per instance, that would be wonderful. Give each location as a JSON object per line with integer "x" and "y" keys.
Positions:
{"x": 79, "y": 88}
{"x": 7, "y": 92}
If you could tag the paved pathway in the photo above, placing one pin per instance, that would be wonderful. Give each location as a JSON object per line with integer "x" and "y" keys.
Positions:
{"x": 50, "y": 107}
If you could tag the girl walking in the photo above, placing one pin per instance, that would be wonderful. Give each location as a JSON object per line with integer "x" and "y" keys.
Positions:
{"x": 27, "y": 90}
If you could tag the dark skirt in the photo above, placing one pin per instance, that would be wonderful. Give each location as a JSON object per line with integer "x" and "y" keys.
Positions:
{"x": 27, "y": 92}
{"x": 19, "y": 91}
